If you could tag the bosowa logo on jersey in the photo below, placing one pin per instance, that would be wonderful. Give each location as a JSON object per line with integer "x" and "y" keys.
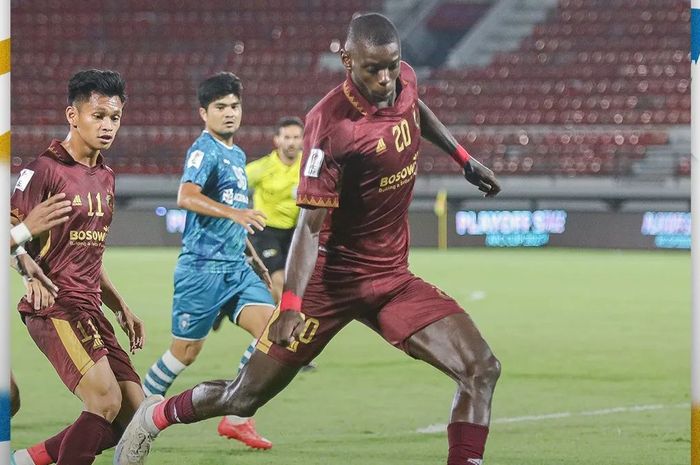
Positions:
{"x": 399, "y": 178}
{"x": 88, "y": 236}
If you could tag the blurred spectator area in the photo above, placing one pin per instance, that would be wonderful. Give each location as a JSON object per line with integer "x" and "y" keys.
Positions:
{"x": 595, "y": 88}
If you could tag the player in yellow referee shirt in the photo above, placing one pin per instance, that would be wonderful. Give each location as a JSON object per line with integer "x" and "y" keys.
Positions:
{"x": 274, "y": 179}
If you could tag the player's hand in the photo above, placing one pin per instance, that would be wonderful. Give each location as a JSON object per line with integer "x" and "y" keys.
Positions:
{"x": 249, "y": 218}
{"x": 481, "y": 177}
{"x": 38, "y": 295}
{"x": 49, "y": 213}
{"x": 261, "y": 270}
{"x": 287, "y": 328}
{"x": 133, "y": 327}
{"x": 41, "y": 291}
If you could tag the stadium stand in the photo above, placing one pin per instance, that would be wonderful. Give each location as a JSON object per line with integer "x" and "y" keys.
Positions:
{"x": 592, "y": 90}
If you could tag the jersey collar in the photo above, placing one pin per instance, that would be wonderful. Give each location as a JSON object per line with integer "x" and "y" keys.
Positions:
{"x": 57, "y": 151}
{"x": 357, "y": 100}
{"x": 218, "y": 141}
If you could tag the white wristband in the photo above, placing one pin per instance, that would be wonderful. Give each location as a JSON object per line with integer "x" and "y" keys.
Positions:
{"x": 19, "y": 250}
{"x": 20, "y": 234}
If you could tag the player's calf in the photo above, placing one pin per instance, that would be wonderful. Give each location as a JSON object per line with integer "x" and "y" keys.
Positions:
{"x": 478, "y": 378}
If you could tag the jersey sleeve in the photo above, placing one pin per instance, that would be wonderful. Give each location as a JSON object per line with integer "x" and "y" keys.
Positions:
{"x": 200, "y": 163}
{"x": 33, "y": 186}
{"x": 327, "y": 145}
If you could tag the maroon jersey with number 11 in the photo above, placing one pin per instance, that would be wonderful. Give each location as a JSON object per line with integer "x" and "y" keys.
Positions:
{"x": 71, "y": 253}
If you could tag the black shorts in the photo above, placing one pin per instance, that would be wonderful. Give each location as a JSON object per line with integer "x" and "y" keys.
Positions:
{"x": 272, "y": 245}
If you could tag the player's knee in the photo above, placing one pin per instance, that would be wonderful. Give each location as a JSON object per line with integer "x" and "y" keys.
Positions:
{"x": 190, "y": 355}
{"x": 492, "y": 370}
{"x": 186, "y": 351}
{"x": 105, "y": 401}
{"x": 481, "y": 374}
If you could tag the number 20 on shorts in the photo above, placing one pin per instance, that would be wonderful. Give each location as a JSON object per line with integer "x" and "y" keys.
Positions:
{"x": 310, "y": 327}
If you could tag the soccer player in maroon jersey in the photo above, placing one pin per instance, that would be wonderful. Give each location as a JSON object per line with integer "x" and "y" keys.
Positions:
{"x": 349, "y": 255}
{"x": 73, "y": 333}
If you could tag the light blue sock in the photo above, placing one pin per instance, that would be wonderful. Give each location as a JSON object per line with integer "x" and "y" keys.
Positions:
{"x": 247, "y": 354}
{"x": 162, "y": 374}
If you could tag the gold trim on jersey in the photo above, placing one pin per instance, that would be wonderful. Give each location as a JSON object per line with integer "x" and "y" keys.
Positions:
{"x": 47, "y": 245}
{"x": 351, "y": 98}
{"x": 77, "y": 353}
{"x": 325, "y": 202}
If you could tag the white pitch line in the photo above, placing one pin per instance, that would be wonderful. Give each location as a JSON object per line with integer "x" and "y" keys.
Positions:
{"x": 441, "y": 428}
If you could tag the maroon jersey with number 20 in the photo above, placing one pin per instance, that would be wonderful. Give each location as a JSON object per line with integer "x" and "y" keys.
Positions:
{"x": 361, "y": 162}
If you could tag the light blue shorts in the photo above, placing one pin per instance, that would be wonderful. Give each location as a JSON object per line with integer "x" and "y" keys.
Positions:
{"x": 199, "y": 297}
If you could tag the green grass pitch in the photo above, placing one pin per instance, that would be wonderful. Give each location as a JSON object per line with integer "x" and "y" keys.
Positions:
{"x": 594, "y": 347}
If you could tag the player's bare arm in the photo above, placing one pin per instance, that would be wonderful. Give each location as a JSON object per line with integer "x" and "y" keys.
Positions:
{"x": 303, "y": 253}
{"x": 258, "y": 265}
{"x": 190, "y": 197}
{"x": 129, "y": 322}
{"x": 49, "y": 213}
{"x": 41, "y": 292}
{"x": 435, "y": 132}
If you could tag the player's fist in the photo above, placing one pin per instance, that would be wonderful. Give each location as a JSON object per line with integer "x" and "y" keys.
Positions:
{"x": 286, "y": 328}
{"x": 49, "y": 213}
{"x": 481, "y": 177}
{"x": 249, "y": 218}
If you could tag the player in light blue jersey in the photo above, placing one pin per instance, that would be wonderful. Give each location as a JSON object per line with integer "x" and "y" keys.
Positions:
{"x": 212, "y": 275}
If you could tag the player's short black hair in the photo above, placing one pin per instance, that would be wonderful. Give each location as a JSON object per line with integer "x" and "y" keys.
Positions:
{"x": 372, "y": 29}
{"x": 103, "y": 81}
{"x": 217, "y": 86}
{"x": 285, "y": 121}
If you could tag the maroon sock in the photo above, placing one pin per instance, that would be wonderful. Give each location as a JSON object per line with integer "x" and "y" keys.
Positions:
{"x": 177, "y": 409}
{"x": 52, "y": 446}
{"x": 467, "y": 441}
{"x": 82, "y": 440}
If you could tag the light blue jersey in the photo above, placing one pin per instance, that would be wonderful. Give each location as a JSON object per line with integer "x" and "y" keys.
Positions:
{"x": 215, "y": 245}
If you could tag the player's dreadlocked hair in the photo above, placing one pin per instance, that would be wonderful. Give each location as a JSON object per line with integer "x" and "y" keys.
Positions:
{"x": 217, "y": 86}
{"x": 105, "y": 82}
{"x": 372, "y": 29}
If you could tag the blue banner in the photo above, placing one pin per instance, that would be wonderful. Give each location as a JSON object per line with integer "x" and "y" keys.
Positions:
{"x": 4, "y": 416}
{"x": 694, "y": 34}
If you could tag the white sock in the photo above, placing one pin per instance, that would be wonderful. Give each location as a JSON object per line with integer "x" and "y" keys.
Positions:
{"x": 247, "y": 354}
{"x": 22, "y": 457}
{"x": 162, "y": 374}
{"x": 235, "y": 420}
{"x": 150, "y": 424}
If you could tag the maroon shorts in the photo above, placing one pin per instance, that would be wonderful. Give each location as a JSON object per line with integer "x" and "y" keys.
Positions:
{"x": 395, "y": 305}
{"x": 75, "y": 339}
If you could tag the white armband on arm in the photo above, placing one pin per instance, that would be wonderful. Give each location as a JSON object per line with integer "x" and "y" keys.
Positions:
{"x": 20, "y": 234}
